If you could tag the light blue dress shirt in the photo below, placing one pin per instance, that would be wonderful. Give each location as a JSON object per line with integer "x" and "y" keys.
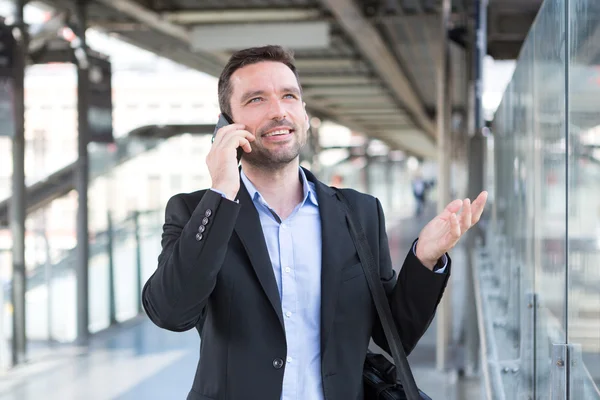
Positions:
{"x": 294, "y": 246}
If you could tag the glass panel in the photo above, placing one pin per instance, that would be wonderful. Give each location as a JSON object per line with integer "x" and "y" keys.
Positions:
{"x": 51, "y": 285}
{"x": 98, "y": 275}
{"x": 513, "y": 143}
{"x": 550, "y": 186}
{"x": 529, "y": 251}
{"x": 125, "y": 272}
{"x": 63, "y": 297}
{"x": 5, "y": 304}
{"x": 150, "y": 232}
{"x": 584, "y": 192}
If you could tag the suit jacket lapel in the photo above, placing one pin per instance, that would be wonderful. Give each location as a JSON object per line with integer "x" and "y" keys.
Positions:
{"x": 333, "y": 221}
{"x": 249, "y": 230}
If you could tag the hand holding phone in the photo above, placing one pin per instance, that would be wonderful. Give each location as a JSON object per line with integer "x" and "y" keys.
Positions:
{"x": 225, "y": 120}
{"x": 223, "y": 169}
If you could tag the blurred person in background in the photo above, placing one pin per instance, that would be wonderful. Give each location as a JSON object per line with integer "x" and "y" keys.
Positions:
{"x": 420, "y": 188}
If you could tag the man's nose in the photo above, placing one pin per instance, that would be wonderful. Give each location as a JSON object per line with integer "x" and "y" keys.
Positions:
{"x": 277, "y": 110}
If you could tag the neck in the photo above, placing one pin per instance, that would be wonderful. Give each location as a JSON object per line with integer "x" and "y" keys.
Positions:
{"x": 281, "y": 188}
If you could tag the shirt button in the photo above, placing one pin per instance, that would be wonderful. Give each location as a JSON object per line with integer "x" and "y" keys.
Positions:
{"x": 289, "y": 359}
{"x": 287, "y": 269}
{"x": 288, "y": 314}
{"x": 277, "y": 363}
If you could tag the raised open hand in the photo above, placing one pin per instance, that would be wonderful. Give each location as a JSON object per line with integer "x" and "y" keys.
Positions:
{"x": 443, "y": 232}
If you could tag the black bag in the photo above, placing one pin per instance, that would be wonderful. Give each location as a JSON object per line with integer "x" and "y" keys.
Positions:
{"x": 382, "y": 380}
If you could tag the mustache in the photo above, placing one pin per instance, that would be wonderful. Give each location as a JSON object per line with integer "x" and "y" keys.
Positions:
{"x": 275, "y": 124}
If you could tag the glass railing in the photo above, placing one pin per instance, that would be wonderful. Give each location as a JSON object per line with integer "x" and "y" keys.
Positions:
{"x": 538, "y": 275}
{"x": 121, "y": 259}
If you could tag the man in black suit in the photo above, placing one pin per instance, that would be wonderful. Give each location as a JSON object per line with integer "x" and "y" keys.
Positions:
{"x": 262, "y": 264}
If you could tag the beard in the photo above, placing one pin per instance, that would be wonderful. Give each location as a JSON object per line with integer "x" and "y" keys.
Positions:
{"x": 277, "y": 156}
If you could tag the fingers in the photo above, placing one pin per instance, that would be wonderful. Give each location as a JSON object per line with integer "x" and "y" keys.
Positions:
{"x": 465, "y": 217}
{"x": 239, "y": 139}
{"x": 454, "y": 226}
{"x": 227, "y": 131}
{"x": 235, "y": 139}
{"x": 478, "y": 206}
{"x": 242, "y": 142}
{"x": 453, "y": 207}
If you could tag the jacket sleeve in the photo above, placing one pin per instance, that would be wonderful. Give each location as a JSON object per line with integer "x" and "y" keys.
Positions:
{"x": 175, "y": 295}
{"x": 413, "y": 294}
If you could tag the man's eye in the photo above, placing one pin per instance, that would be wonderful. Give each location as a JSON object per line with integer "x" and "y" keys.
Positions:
{"x": 253, "y": 100}
{"x": 290, "y": 95}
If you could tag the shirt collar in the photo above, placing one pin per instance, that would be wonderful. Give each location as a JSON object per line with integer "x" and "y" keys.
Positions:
{"x": 308, "y": 188}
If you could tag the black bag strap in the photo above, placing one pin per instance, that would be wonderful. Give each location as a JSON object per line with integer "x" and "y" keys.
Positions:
{"x": 404, "y": 375}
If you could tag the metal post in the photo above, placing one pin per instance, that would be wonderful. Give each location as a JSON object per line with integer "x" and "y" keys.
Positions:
{"x": 112, "y": 308}
{"x": 367, "y": 171}
{"x": 476, "y": 51}
{"x": 527, "y": 375}
{"x": 480, "y": 53}
{"x": 81, "y": 183}
{"x": 315, "y": 148}
{"x": 48, "y": 276}
{"x": 444, "y": 106}
{"x": 558, "y": 372}
{"x": 17, "y": 204}
{"x": 138, "y": 259}
{"x": 579, "y": 383}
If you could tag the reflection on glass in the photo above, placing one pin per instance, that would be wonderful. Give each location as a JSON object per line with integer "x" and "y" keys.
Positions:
{"x": 547, "y": 186}
{"x": 584, "y": 194}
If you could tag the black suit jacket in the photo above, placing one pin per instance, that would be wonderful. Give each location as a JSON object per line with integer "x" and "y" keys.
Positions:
{"x": 214, "y": 274}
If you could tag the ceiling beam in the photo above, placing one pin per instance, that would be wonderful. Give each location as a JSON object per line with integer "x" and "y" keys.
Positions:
{"x": 307, "y": 35}
{"x": 331, "y": 64}
{"x": 142, "y": 14}
{"x": 242, "y": 15}
{"x": 341, "y": 80}
{"x": 350, "y": 90}
{"x": 153, "y": 20}
{"x": 374, "y": 49}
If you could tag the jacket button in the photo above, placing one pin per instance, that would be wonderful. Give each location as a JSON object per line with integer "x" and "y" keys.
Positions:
{"x": 278, "y": 363}
{"x": 208, "y": 213}
{"x": 201, "y": 228}
{"x": 198, "y": 236}
{"x": 204, "y": 221}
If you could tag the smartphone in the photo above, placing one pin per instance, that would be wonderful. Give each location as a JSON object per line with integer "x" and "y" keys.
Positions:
{"x": 225, "y": 120}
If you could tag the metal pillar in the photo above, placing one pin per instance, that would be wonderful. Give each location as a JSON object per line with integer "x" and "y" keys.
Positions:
{"x": 389, "y": 182}
{"x": 368, "y": 181}
{"x": 138, "y": 259}
{"x": 477, "y": 50}
{"x": 112, "y": 305}
{"x": 17, "y": 204}
{"x": 82, "y": 180}
{"x": 444, "y": 107}
{"x": 480, "y": 53}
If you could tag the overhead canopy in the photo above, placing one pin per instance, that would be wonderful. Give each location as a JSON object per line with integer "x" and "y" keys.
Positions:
{"x": 369, "y": 65}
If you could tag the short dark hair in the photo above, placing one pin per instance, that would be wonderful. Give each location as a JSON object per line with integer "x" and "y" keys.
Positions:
{"x": 250, "y": 56}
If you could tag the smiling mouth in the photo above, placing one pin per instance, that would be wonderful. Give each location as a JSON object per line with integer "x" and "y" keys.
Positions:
{"x": 279, "y": 132}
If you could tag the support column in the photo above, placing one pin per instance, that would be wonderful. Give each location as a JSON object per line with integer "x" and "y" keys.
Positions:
{"x": 444, "y": 107}
{"x": 367, "y": 172}
{"x": 390, "y": 183}
{"x": 477, "y": 50}
{"x": 82, "y": 178}
{"x": 17, "y": 204}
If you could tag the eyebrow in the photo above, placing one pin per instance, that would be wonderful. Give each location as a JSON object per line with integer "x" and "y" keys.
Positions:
{"x": 254, "y": 93}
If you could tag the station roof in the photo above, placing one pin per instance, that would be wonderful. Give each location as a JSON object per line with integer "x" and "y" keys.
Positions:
{"x": 375, "y": 72}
